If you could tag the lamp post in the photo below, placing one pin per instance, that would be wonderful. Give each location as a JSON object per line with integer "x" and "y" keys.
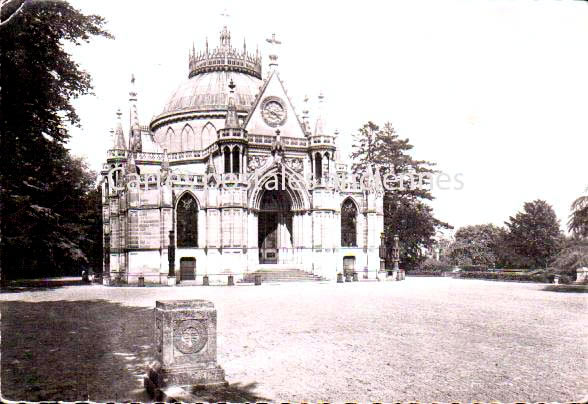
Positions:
{"x": 396, "y": 253}
{"x": 106, "y": 270}
{"x": 383, "y": 255}
{"x": 171, "y": 258}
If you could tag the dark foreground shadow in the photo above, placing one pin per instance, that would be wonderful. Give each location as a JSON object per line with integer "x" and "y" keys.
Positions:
{"x": 74, "y": 351}
{"x": 91, "y": 350}
{"x": 567, "y": 288}
{"x": 234, "y": 393}
{"x": 35, "y": 285}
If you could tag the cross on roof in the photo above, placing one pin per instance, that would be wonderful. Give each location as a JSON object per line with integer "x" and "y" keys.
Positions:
{"x": 273, "y": 40}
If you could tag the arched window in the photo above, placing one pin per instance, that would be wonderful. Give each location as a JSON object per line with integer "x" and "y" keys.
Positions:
{"x": 227, "y": 153}
{"x": 318, "y": 166}
{"x": 187, "y": 138}
{"x": 208, "y": 135}
{"x": 236, "y": 167}
{"x": 171, "y": 140}
{"x": 348, "y": 224}
{"x": 187, "y": 221}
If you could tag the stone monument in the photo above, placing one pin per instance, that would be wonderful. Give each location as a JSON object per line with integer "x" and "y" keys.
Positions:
{"x": 386, "y": 254}
{"x": 185, "y": 335}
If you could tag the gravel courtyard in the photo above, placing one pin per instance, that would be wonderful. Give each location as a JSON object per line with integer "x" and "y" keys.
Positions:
{"x": 426, "y": 339}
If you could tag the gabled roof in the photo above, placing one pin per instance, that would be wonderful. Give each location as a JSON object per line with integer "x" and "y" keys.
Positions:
{"x": 281, "y": 93}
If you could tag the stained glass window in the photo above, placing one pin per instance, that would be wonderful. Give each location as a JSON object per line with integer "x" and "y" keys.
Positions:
{"x": 187, "y": 221}
{"x": 348, "y": 224}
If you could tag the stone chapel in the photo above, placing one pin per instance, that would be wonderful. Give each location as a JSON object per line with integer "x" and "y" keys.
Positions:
{"x": 242, "y": 183}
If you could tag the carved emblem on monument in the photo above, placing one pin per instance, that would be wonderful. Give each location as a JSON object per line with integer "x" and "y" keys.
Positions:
{"x": 190, "y": 336}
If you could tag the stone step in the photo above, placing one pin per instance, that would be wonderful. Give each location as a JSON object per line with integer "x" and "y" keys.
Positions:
{"x": 282, "y": 273}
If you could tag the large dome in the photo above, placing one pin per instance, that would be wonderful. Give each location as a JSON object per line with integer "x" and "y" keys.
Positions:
{"x": 209, "y": 92}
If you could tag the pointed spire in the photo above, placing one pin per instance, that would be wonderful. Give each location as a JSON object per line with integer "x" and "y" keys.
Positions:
{"x": 119, "y": 136}
{"x": 319, "y": 127}
{"x": 210, "y": 168}
{"x": 193, "y": 50}
{"x": 338, "y": 151}
{"x": 133, "y": 104}
{"x": 135, "y": 128}
{"x": 305, "y": 115}
{"x": 232, "y": 121}
{"x": 131, "y": 165}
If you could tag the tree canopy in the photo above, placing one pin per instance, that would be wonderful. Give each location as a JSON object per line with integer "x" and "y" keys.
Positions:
{"x": 44, "y": 189}
{"x": 406, "y": 212}
{"x": 476, "y": 245}
{"x": 534, "y": 234}
{"x": 578, "y": 223}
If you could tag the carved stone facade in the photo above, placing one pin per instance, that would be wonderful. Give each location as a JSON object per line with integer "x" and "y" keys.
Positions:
{"x": 242, "y": 180}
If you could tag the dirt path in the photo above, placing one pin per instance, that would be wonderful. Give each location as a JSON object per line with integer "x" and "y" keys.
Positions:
{"x": 423, "y": 339}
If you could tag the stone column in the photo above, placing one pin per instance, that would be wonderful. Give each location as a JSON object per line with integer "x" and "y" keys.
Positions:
{"x": 171, "y": 257}
{"x": 185, "y": 335}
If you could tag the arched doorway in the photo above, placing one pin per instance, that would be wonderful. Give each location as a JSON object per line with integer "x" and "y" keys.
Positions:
{"x": 274, "y": 225}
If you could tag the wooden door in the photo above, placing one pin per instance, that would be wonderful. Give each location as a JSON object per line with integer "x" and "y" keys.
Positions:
{"x": 348, "y": 266}
{"x": 268, "y": 238}
{"x": 187, "y": 269}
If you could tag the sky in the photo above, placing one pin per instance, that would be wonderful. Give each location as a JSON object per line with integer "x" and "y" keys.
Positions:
{"x": 495, "y": 91}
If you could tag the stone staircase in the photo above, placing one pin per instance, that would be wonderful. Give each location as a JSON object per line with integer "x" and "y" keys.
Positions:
{"x": 280, "y": 273}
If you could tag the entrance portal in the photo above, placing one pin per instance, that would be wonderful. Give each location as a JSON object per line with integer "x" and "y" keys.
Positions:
{"x": 274, "y": 226}
{"x": 348, "y": 266}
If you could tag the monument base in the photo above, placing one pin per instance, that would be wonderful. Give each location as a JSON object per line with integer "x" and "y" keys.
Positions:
{"x": 397, "y": 275}
{"x": 159, "y": 382}
{"x": 171, "y": 281}
{"x": 106, "y": 280}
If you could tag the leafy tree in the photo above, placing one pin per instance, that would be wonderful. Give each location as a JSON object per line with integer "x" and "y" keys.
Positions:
{"x": 534, "y": 234}
{"x": 380, "y": 151}
{"x": 43, "y": 187}
{"x": 578, "y": 223}
{"x": 573, "y": 255}
{"x": 476, "y": 245}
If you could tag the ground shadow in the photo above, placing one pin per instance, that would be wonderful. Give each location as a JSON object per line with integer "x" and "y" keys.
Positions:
{"x": 234, "y": 393}
{"x": 91, "y": 350}
{"x": 74, "y": 351}
{"x": 566, "y": 288}
{"x": 37, "y": 285}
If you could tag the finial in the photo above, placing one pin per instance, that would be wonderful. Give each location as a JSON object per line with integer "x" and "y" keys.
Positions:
{"x": 232, "y": 85}
{"x": 278, "y": 132}
{"x": 321, "y": 97}
{"x": 274, "y": 42}
{"x": 118, "y": 114}
{"x": 226, "y": 15}
{"x": 132, "y": 78}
